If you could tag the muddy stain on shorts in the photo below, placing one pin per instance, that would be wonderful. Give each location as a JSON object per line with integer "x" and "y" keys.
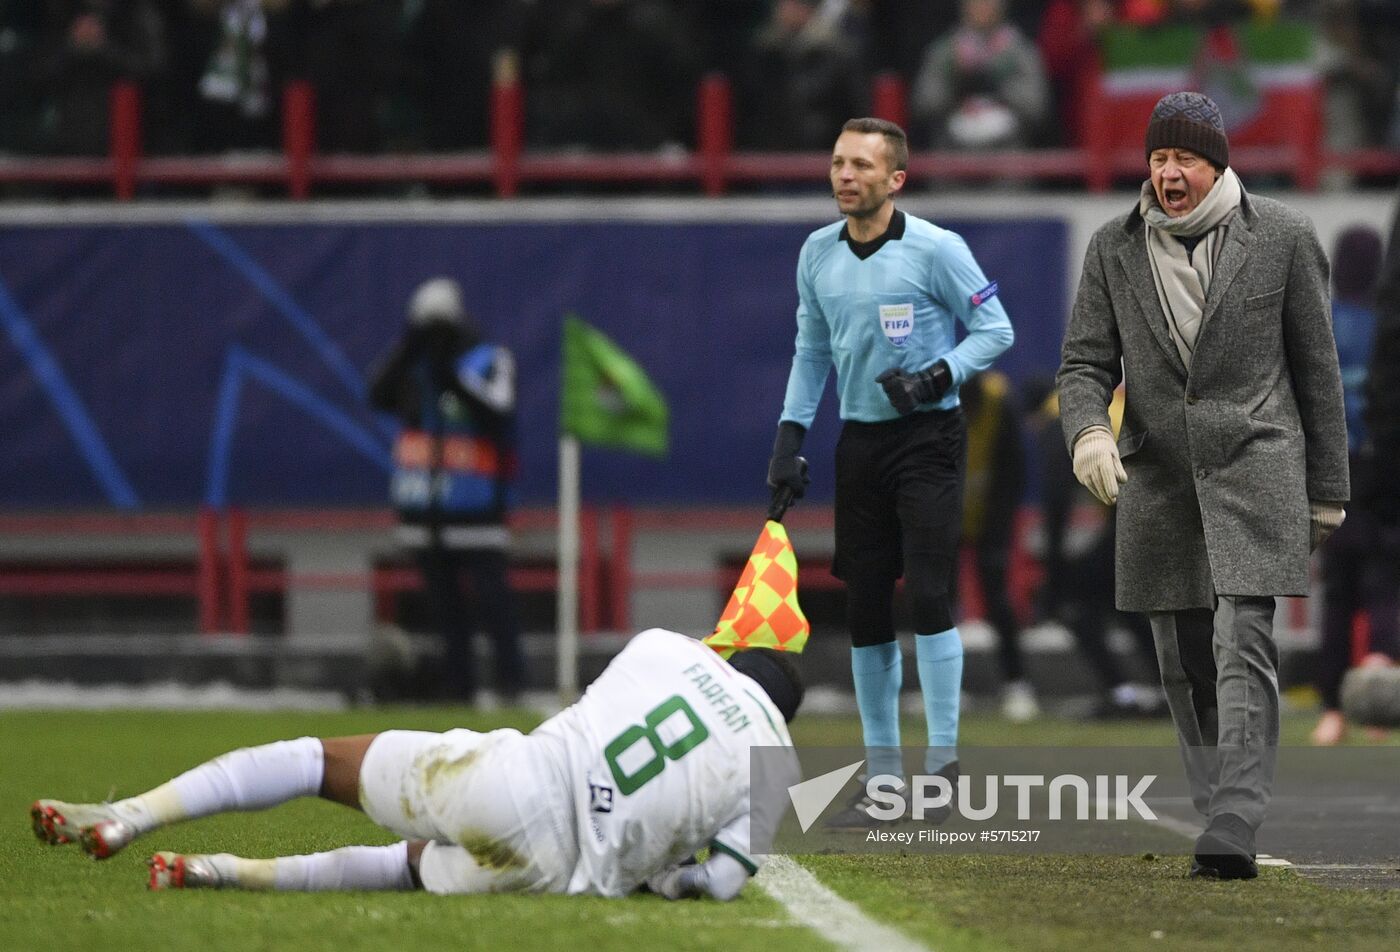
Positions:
{"x": 490, "y": 853}
{"x": 441, "y": 771}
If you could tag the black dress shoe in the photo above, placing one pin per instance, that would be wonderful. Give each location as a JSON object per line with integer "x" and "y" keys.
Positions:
{"x": 1225, "y": 850}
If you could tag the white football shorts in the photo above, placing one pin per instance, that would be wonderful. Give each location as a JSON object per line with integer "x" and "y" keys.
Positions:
{"x": 494, "y": 807}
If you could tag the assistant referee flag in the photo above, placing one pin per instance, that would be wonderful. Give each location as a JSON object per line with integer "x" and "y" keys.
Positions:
{"x": 763, "y": 611}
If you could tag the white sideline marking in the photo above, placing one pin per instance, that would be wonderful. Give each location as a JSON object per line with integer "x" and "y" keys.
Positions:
{"x": 1185, "y": 827}
{"x": 1100, "y": 807}
{"x": 828, "y": 915}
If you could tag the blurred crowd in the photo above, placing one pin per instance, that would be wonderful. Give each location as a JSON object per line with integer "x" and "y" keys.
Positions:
{"x": 616, "y": 74}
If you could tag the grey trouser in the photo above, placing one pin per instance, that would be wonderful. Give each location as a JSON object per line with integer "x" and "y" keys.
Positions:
{"x": 1220, "y": 673}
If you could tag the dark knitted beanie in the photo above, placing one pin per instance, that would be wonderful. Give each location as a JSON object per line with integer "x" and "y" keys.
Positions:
{"x": 1189, "y": 121}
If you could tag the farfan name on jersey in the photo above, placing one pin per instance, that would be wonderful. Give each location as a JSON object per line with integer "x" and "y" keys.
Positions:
{"x": 711, "y": 690}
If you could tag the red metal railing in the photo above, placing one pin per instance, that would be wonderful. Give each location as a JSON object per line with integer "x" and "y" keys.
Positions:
{"x": 1023, "y": 571}
{"x": 715, "y": 165}
{"x": 223, "y": 579}
{"x": 299, "y": 136}
{"x": 246, "y": 578}
{"x": 507, "y": 135}
{"x": 889, "y": 99}
{"x": 169, "y": 574}
{"x": 125, "y": 139}
{"x": 715, "y": 136}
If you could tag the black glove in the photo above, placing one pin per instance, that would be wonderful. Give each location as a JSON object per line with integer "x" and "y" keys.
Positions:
{"x": 787, "y": 472}
{"x": 906, "y": 391}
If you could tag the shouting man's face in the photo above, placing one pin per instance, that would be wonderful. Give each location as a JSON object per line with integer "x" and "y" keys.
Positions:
{"x": 1181, "y": 179}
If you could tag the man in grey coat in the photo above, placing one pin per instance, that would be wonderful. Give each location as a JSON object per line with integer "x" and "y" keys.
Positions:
{"x": 1211, "y": 305}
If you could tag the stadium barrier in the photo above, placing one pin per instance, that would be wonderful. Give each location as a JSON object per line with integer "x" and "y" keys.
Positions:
{"x": 387, "y": 580}
{"x": 814, "y": 530}
{"x": 1284, "y": 139}
{"x": 224, "y": 558}
{"x": 90, "y": 554}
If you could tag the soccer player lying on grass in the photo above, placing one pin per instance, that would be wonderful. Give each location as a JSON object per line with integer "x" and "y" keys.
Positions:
{"x": 615, "y": 791}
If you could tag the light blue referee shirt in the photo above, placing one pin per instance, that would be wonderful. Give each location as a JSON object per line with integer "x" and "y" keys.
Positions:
{"x": 894, "y": 308}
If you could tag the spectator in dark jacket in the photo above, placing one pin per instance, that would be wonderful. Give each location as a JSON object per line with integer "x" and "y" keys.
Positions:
{"x": 347, "y": 52}
{"x": 610, "y": 74}
{"x": 903, "y": 30}
{"x": 727, "y": 29}
{"x": 87, "y": 46}
{"x": 231, "y": 60}
{"x": 450, "y": 62}
{"x": 1359, "y": 79}
{"x": 1069, "y": 46}
{"x": 992, "y": 491}
{"x": 20, "y": 95}
{"x": 1361, "y": 561}
{"x": 1079, "y": 569}
{"x": 803, "y": 77}
{"x": 1383, "y": 386}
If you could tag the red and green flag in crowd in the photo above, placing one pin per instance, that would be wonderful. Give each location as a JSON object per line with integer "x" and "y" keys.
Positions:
{"x": 1234, "y": 65}
{"x": 607, "y": 399}
{"x": 763, "y": 611}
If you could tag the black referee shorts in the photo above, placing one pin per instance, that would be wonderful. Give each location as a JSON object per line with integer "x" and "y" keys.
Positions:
{"x": 899, "y": 487}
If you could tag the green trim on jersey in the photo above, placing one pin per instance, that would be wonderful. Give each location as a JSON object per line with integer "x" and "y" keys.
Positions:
{"x": 744, "y": 861}
{"x": 764, "y": 708}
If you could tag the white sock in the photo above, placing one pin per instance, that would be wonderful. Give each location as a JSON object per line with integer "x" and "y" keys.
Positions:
{"x": 251, "y": 778}
{"x": 351, "y": 868}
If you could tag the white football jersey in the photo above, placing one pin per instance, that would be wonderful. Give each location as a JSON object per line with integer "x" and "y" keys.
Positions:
{"x": 658, "y": 758}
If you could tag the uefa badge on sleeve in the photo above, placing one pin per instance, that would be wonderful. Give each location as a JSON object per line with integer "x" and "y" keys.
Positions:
{"x": 897, "y": 321}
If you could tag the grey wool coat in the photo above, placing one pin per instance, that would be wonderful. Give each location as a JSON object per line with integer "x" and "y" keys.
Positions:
{"x": 1221, "y": 460}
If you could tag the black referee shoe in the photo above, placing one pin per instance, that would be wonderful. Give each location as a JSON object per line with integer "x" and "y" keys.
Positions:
{"x": 855, "y": 816}
{"x": 1225, "y": 850}
{"x": 937, "y": 816}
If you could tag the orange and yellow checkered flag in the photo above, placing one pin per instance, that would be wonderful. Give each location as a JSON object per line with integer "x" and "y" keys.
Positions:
{"x": 763, "y": 611}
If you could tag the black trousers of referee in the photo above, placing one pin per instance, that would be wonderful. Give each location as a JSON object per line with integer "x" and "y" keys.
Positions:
{"x": 899, "y": 488}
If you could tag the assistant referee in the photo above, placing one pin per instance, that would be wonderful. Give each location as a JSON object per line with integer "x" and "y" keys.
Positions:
{"x": 878, "y": 296}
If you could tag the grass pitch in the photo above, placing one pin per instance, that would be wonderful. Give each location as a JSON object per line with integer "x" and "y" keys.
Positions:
{"x": 56, "y": 899}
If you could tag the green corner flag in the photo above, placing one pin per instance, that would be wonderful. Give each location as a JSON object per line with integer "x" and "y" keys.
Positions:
{"x": 606, "y": 399}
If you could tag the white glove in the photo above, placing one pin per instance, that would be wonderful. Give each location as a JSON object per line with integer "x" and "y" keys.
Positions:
{"x": 1324, "y": 519}
{"x": 721, "y": 877}
{"x": 1096, "y": 464}
{"x": 670, "y": 882}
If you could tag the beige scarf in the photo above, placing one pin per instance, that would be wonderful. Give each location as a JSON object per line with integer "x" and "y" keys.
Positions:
{"x": 1182, "y": 279}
